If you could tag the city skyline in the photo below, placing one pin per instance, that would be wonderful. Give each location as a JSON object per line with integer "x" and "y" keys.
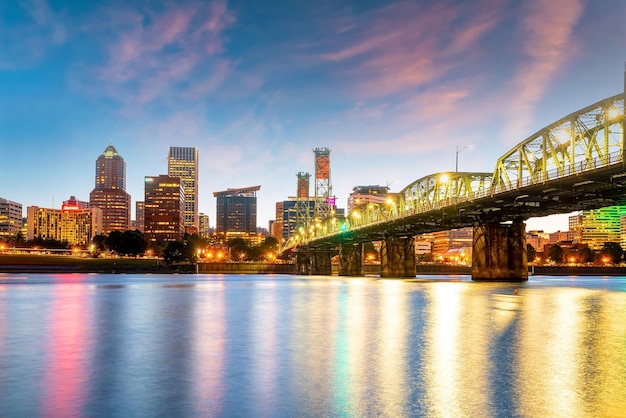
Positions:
{"x": 394, "y": 89}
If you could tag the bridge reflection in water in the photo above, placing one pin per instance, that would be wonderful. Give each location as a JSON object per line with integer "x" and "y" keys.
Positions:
{"x": 576, "y": 163}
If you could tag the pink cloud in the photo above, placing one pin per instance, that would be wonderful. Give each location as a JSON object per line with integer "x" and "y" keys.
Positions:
{"x": 548, "y": 35}
{"x": 150, "y": 61}
{"x": 406, "y": 45}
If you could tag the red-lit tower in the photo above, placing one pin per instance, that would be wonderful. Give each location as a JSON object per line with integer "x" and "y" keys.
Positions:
{"x": 324, "y": 199}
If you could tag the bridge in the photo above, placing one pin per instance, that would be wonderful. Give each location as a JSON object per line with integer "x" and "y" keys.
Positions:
{"x": 575, "y": 163}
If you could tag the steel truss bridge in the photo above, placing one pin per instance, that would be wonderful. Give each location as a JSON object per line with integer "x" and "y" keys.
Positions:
{"x": 575, "y": 163}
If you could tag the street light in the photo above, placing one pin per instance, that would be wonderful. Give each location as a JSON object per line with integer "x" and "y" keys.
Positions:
{"x": 456, "y": 161}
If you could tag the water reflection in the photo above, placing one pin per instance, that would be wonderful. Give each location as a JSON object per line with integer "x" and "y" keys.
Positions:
{"x": 65, "y": 378}
{"x": 280, "y": 346}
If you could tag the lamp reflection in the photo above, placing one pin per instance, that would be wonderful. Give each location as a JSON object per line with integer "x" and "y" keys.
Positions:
{"x": 209, "y": 351}
{"x": 66, "y": 380}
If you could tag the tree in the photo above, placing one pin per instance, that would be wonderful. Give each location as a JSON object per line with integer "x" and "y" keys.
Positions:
{"x": 175, "y": 252}
{"x": 613, "y": 251}
{"x": 530, "y": 252}
{"x": 98, "y": 242}
{"x": 586, "y": 255}
{"x": 130, "y": 243}
{"x": 556, "y": 253}
{"x": 238, "y": 248}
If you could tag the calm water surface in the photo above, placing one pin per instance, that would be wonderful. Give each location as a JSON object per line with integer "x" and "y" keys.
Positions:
{"x": 291, "y": 346}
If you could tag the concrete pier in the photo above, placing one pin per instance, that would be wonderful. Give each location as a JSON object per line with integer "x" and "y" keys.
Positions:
{"x": 397, "y": 257}
{"x": 499, "y": 252}
{"x": 351, "y": 260}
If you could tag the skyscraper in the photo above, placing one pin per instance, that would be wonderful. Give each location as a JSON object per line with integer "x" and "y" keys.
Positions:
{"x": 236, "y": 211}
{"x": 110, "y": 192}
{"x": 164, "y": 208}
{"x": 10, "y": 218}
{"x": 182, "y": 162}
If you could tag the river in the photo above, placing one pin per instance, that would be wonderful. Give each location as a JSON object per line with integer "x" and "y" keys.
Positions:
{"x": 90, "y": 345}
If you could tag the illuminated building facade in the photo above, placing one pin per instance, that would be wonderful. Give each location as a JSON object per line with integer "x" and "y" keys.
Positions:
{"x": 182, "y": 162}
{"x": 139, "y": 216}
{"x": 574, "y": 232}
{"x": 288, "y": 214}
{"x": 10, "y": 218}
{"x": 236, "y": 211}
{"x": 110, "y": 191}
{"x": 73, "y": 223}
{"x": 204, "y": 228}
{"x": 599, "y": 226}
{"x": 367, "y": 194}
{"x": 164, "y": 209}
{"x": 454, "y": 243}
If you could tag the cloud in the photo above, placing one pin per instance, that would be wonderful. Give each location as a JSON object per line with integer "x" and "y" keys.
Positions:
{"x": 548, "y": 36}
{"x": 407, "y": 45}
{"x": 161, "y": 54}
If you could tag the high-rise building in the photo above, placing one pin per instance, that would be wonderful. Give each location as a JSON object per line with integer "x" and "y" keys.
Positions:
{"x": 73, "y": 223}
{"x": 182, "y": 162}
{"x": 110, "y": 192}
{"x": 164, "y": 209}
{"x": 204, "y": 229}
{"x": 10, "y": 218}
{"x": 574, "y": 232}
{"x": 236, "y": 211}
{"x": 288, "y": 215}
{"x": 139, "y": 216}
{"x": 599, "y": 226}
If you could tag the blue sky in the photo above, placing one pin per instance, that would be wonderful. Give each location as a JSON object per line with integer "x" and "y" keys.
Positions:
{"x": 391, "y": 87}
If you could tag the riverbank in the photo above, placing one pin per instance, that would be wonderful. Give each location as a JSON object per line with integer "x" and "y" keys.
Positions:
{"x": 35, "y": 263}
{"x": 30, "y": 263}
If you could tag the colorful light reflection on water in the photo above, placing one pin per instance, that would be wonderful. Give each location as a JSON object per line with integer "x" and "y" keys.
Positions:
{"x": 219, "y": 345}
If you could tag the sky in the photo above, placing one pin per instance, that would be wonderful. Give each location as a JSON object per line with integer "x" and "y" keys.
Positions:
{"x": 392, "y": 88}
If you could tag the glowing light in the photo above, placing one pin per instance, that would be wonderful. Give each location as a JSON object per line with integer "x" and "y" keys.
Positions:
{"x": 444, "y": 178}
{"x": 613, "y": 113}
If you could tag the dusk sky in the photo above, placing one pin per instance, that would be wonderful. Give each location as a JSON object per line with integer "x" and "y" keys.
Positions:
{"x": 391, "y": 87}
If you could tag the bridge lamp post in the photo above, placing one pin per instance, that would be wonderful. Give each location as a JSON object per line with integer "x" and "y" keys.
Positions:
{"x": 456, "y": 161}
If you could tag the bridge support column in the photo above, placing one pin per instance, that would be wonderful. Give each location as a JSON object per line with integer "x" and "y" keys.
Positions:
{"x": 317, "y": 263}
{"x": 499, "y": 252}
{"x": 351, "y": 260}
{"x": 303, "y": 264}
{"x": 321, "y": 263}
{"x": 397, "y": 257}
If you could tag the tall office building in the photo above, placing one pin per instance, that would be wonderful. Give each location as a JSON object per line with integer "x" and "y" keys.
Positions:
{"x": 599, "y": 226}
{"x": 110, "y": 192}
{"x": 10, "y": 218}
{"x": 204, "y": 229}
{"x": 164, "y": 209}
{"x": 73, "y": 223}
{"x": 288, "y": 215}
{"x": 139, "y": 216}
{"x": 236, "y": 211}
{"x": 182, "y": 162}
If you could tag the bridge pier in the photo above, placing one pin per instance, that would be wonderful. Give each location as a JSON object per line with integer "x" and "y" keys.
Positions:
{"x": 351, "y": 260}
{"x": 499, "y": 252}
{"x": 321, "y": 263}
{"x": 397, "y": 257}
{"x": 316, "y": 263}
{"x": 303, "y": 264}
